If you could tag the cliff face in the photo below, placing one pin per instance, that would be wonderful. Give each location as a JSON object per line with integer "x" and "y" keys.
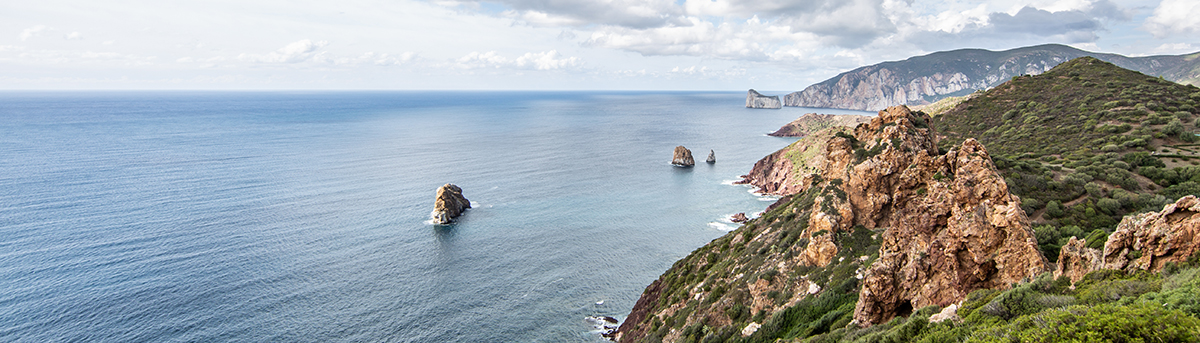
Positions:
{"x": 1147, "y": 241}
{"x": 877, "y": 203}
{"x": 756, "y": 100}
{"x": 925, "y": 79}
{"x": 810, "y": 123}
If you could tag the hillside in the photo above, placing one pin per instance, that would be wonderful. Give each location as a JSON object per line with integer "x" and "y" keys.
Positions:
{"x": 887, "y": 238}
{"x": 925, "y": 79}
{"x": 1086, "y": 143}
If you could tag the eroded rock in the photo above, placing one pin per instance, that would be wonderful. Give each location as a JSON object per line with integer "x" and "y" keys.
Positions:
{"x": 450, "y": 204}
{"x": 757, "y": 100}
{"x": 1147, "y": 241}
{"x": 683, "y": 157}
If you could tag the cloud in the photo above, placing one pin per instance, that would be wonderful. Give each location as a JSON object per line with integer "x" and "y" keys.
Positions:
{"x": 753, "y": 39}
{"x": 73, "y": 36}
{"x": 1174, "y": 17}
{"x": 624, "y": 13}
{"x": 299, "y": 51}
{"x": 34, "y": 32}
{"x": 546, "y": 60}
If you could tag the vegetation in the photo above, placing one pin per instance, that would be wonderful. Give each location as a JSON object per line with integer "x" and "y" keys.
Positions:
{"x": 1085, "y": 143}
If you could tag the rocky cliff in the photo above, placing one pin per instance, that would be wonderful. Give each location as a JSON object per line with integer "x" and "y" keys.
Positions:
{"x": 810, "y": 123}
{"x": 1147, "y": 241}
{"x": 926, "y": 79}
{"x": 756, "y": 100}
{"x": 450, "y": 204}
{"x": 878, "y": 203}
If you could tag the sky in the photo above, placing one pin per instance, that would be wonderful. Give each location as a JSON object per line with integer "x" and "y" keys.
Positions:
{"x": 774, "y": 45}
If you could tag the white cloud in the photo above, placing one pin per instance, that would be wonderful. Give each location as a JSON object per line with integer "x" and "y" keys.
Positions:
{"x": 34, "y": 32}
{"x": 73, "y": 36}
{"x": 299, "y": 51}
{"x": 1174, "y": 17}
{"x": 546, "y": 60}
{"x": 1174, "y": 48}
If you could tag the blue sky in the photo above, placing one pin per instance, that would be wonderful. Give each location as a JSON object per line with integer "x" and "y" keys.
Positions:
{"x": 779, "y": 45}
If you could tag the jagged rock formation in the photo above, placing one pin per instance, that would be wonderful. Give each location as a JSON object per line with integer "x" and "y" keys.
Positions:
{"x": 712, "y": 157}
{"x": 1147, "y": 241}
{"x": 925, "y": 79}
{"x": 740, "y": 217}
{"x": 880, "y": 203}
{"x": 450, "y": 204}
{"x": 810, "y": 123}
{"x": 756, "y": 100}
{"x": 683, "y": 157}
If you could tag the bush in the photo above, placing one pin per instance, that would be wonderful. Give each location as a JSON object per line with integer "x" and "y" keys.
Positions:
{"x": 1175, "y": 128}
{"x": 1054, "y": 209}
{"x": 1102, "y": 323}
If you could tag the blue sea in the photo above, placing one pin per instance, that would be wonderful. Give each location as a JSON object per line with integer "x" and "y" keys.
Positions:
{"x": 304, "y": 216}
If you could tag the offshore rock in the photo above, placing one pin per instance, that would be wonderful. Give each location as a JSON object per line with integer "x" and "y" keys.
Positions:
{"x": 712, "y": 157}
{"x": 756, "y": 100}
{"x": 1147, "y": 241}
{"x": 450, "y": 204}
{"x": 740, "y": 217}
{"x": 812, "y": 122}
{"x": 683, "y": 157}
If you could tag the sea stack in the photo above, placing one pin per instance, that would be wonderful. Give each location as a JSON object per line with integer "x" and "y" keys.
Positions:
{"x": 756, "y": 100}
{"x": 683, "y": 157}
{"x": 712, "y": 157}
{"x": 450, "y": 203}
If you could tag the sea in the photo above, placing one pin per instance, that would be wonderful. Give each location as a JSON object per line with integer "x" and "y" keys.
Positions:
{"x": 173, "y": 216}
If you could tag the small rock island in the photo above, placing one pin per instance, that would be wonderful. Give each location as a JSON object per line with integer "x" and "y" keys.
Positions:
{"x": 757, "y": 100}
{"x": 683, "y": 157}
{"x": 450, "y": 204}
{"x": 712, "y": 157}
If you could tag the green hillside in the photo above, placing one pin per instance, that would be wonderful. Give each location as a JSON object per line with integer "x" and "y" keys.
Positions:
{"x": 1087, "y": 142}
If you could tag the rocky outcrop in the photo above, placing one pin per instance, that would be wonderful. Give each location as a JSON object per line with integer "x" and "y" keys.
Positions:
{"x": 1147, "y": 241}
{"x": 712, "y": 157}
{"x": 683, "y": 157}
{"x": 450, "y": 204}
{"x": 951, "y": 225}
{"x": 812, "y": 122}
{"x": 925, "y": 79}
{"x": 740, "y": 217}
{"x": 757, "y": 100}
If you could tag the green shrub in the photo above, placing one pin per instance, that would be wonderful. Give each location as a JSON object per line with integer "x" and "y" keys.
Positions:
{"x": 1102, "y": 323}
{"x": 1096, "y": 239}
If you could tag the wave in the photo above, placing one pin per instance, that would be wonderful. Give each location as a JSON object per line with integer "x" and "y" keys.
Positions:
{"x": 721, "y": 226}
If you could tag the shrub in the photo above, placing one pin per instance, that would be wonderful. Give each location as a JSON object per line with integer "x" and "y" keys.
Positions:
{"x": 1175, "y": 128}
{"x": 1096, "y": 239}
{"x": 1102, "y": 323}
{"x": 1054, "y": 209}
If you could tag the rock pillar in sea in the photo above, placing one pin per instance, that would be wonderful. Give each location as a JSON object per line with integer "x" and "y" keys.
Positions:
{"x": 450, "y": 203}
{"x": 683, "y": 157}
{"x": 757, "y": 100}
{"x": 712, "y": 157}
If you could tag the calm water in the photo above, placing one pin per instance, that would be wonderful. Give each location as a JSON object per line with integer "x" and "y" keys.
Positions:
{"x": 185, "y": 216}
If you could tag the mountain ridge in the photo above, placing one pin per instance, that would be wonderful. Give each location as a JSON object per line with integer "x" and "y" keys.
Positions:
{"x": 928, "y": 78}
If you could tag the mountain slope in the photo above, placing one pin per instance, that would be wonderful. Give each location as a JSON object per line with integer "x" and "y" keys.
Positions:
{"x": 925, "y": 79}
{"x": 1086, "y": 143}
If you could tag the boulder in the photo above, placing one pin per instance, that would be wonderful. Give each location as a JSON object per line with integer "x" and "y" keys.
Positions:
{"x": 712, "y": 157}
{"x": 683, "y": 157}
{"x": 740, "y": 217}
{"x": 450, "y": 204}
{"x": 756, "y": 100}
